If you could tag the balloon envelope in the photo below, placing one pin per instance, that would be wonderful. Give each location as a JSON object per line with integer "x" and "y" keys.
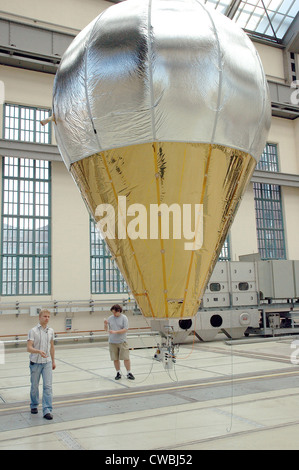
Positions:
{"x": 162, "y": 102}
{"x": 166, "y": 279}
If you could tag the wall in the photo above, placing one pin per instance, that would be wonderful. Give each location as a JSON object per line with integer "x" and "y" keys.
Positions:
{"x": 272, "y": 60}
{"x": 290, "y": 200}
{"x": 243, "y": 237}
{"x": 11, "y": 325}
{"x": 66, "y": 14}
{"x": 70, "y": 238}
{"x": 296, "y": 133}
{"x": 26, "y": 87}
{"x": 284, "y": 133}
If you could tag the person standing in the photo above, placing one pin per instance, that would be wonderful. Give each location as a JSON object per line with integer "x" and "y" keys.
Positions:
{"x": 40, "y": 345}
{"x": 117, "y": 325}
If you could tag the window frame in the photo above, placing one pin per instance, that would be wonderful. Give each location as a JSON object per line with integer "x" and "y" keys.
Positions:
{"x": 266, "y": 163}
{"x": 46, "y": 131}
{"x": 271, "y": 204}
{"x": 225, "y": 249}
{"x": 35, "y": 256}
{"x": 268, "y": 199}
{"x": 104, "y": 258}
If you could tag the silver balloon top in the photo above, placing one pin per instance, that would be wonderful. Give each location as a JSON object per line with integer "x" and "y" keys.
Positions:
{"x": 160, "y": 70}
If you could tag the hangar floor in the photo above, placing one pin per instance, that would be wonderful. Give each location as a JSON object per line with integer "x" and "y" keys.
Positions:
{"x": 220, "y": 395}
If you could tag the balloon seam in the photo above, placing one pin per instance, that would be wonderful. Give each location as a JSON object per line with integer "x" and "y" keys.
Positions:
{"x": 161, "y": 240}
{"x": 151, "y": 82}
{"x": 179, "y": 199}
{"x": 129, "y": 240}
{"x": 263, "y": 110}
{"x": 85, "y": 81}
{"x": 201, "y": 202}
{"x": 220, "y": 72}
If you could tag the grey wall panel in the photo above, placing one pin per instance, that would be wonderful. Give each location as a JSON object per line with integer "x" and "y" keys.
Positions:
{"x": 30, "y": 39}
{"x": 60, "y": 43}
{"x": 4, "y": 33}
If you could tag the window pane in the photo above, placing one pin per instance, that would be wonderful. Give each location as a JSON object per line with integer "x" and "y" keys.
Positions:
{"x": 105, "y": 275}
{"x": 269, "y": 221}
{"x": 225, "y": 251}
{"x": 269, "y": 158}
{"x": 25, "y": 260}
{"x": 23, "y": 123}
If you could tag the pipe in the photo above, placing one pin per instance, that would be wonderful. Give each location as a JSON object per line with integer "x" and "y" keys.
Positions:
{"x": 91, "y": 335}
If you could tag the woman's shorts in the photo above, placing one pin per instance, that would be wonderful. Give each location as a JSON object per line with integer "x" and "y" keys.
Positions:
{"x": 119, "y": 351}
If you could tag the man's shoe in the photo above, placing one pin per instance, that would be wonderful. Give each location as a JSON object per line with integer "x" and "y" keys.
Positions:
{"x": 34, "y": 411}
{"x": 48, "y": 416}
{"x": 118, "y": 376}
{"x": 130, "y": 376}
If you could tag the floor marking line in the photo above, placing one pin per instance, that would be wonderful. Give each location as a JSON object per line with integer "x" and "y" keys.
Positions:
{"x": 231, "y": 435}
{"x": 165, "y": 389}
{"x": 71, "y": 425}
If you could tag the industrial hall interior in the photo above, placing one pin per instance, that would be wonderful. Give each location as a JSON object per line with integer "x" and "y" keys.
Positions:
{"x": 149, "y": 198}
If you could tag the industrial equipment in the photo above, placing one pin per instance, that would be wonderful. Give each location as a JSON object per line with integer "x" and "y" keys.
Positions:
{"x": 243, "y": 298}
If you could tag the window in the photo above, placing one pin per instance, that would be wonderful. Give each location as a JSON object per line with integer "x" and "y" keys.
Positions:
{"x": 269, "y": 159}
{"x": 268, "y": 209}
{"x": 25, "y": 227}
{"x": 265, "y": 18}
{"x": 23, "y": 123}
{"x": 105, "y": 275}
{"x": 225, "y": 251}
{"x": 269, "y": 221}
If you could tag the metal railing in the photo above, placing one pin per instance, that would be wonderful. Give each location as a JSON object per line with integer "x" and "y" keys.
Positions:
{"x": 84, "y": 336}
{"x": 67, "y": 306}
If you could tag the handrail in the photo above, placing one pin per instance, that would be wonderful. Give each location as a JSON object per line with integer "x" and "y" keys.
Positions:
{"x": 90, "y": 336}
{"x": 79, "y": 331}
{"x": 67, "y": 306}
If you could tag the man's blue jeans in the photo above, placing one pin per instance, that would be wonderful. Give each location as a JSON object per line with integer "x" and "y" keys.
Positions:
{"x": 36, "y": 371}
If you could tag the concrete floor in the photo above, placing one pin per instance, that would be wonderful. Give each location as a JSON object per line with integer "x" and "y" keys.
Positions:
{"x": 219, "y": 396}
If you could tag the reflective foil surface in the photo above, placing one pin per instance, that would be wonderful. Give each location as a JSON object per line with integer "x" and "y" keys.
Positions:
{"x": 166, "y": 279}
{"x": 160, "y": 70}
{"x": 162, "y": 102}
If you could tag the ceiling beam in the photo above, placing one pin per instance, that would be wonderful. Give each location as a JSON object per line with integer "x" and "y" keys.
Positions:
{"x": 291, "y": 37}
{"x": 232, "y": 8}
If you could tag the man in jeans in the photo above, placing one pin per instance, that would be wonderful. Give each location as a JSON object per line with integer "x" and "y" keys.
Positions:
{"x": 117, "y": 325}
{"x": 40, "y": 345}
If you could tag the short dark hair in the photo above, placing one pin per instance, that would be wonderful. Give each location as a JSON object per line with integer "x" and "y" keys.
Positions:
{"x": 117, "y": 308}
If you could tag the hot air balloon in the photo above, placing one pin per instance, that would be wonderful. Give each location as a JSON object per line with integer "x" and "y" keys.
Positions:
{"x": 164, "y": 104}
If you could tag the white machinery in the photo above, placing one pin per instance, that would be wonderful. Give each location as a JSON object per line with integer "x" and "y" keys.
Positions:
{"x": 241, "y": 298}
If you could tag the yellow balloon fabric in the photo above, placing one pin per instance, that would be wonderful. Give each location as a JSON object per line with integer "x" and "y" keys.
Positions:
{"x": 166, "y": 279}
